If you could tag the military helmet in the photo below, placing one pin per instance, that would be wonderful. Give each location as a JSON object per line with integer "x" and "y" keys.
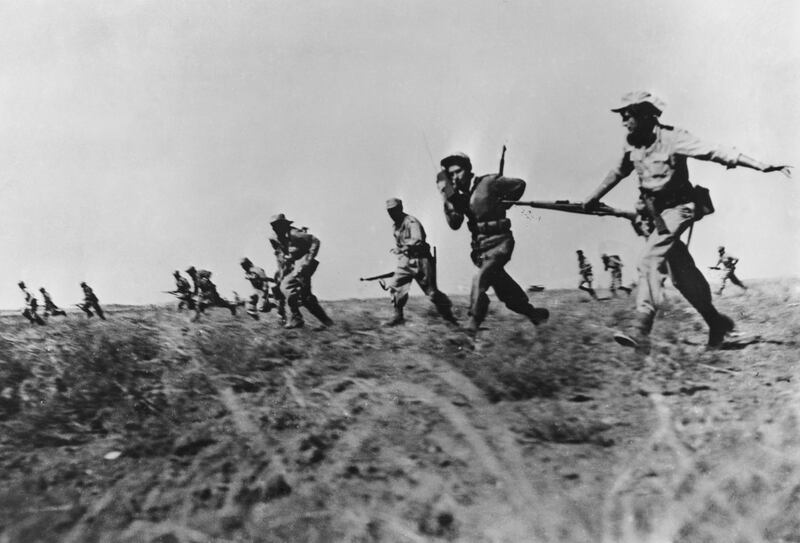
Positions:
{"x": 246, "y": 262}
{"x": 579, "y": 252}
{"x": 721, "y": 249}
{"x": 21, "y": 284}
{"x": 41, "y": 289}
{"x": 176, "y": 273}
{"x": 454, "y": 159}
{"x": 191, "y": 270}
{"x": 83, "y": 283}
{"x": 279, "y": 218}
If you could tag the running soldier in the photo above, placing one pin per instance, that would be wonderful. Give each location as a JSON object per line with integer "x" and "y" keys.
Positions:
{"x": 90, "y": 302}
{"x": 658, "y": 153}
{"x": 51, "y": 308}
{"x": 296, "y": 254}
{"x": 260, "y": 282}
{"x": 585, "y": 270}
{"x": 480, "y": 201}
{"x": 183, "y": 291}
{"x": 414, "y": 263}
{"x": 31, "y": 306}
{"x": 613, "y": 264}
{"x": 208, "y": 295}
{"x": 191, "y": 271}
{"x": 728, "y": 263}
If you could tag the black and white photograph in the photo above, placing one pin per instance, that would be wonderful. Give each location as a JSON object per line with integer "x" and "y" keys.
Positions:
{"x": 490, "y": 271}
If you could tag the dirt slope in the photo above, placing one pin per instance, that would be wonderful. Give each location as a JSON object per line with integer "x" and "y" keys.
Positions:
{"x": 235, "y": 430}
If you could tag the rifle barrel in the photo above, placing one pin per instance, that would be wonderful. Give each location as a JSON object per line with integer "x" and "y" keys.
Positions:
{"x": 575, "y": 207}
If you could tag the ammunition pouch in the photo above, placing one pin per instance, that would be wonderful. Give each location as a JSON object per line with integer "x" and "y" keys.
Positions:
{"x": 702, "y": 202}
{"x": 418, "y": 251}
{"x": 490, "y": 228}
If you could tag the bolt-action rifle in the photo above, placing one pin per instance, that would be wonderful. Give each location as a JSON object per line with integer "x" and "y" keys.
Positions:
{"x": 576, "y": 207}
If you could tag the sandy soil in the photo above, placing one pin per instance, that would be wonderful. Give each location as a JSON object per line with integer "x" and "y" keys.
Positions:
{"x": 149, "y": 428}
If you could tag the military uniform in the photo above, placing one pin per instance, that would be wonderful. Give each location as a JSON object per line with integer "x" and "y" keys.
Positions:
{"x": 492, "y": 241}
{"x": 728, "y": 262}
{"x": 208, "y": 295}
{"x": 90, "y": 302}
{"x": 51, "y": 308}
{"x": 613, "y": 263}
{"x": 183, "y": 291}
{"x": 585, "y": 270}
{"x": 414, "y": 263}
{"x": 658, "y": 154}
{"x": 31, "y": 306}
{"x": 260, "y": 299}
{"x": 296, "y": 251}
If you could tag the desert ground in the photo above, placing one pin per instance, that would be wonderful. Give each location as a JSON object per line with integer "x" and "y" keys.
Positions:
{"x": 150, "y": 428}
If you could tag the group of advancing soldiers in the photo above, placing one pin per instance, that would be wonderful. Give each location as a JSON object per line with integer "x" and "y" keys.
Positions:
{"x": 31, "y": 311}
{"x": 611, "y": 263}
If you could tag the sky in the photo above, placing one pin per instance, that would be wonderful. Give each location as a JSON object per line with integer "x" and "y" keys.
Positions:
{"x": 141, "y": 137}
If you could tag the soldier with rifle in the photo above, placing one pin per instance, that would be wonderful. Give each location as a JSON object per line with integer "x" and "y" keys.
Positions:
{"x": 260, "y": 283}
{"x": 208, "y": 295}
{"x": 728, "y": 262}
{"x": 90, "y": 302}
{"x": 613, "y": 263}
{"x": 183, "y": 291}
{"x": 51, "y": 308}
{"x": 296, "y": 253}
{"x": 414, "y": 263}
{"x": 31, "y": 306}
{"x": 585, "y": 269}
{"x": 482, "y": 201}
{"x": 658, "y": 154}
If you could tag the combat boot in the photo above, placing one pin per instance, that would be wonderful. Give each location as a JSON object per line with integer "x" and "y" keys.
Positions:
{"x": 472, "y": 327}
{"x": 313, "y": 307}
{"x": 538, "y": 315}
{"x": 295, "y": 321}
{"x": 719, "y": 326}
{"x": 638, "y": 337}
{"x": 398, "y": 318}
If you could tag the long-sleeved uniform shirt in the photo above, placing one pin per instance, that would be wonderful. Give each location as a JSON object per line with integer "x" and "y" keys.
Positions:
{"x": 409, "y": 234}
{"x": 297, "y": 244}
{"x": 613, "y": 263}
{"x": 662, "y": 165}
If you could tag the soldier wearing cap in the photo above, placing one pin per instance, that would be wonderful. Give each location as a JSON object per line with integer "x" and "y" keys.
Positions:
{"x": 296, "y": 254}
{"x": 479, "y": 200}
{"x": 260, "y": 283}
{"x": 585, "y": 270}
{"x": 183, "y": 291}
{"x": 50, "y": 308}
{"x": 208, "y": 295}
{"x": 414, "y": 263}
{"x": 658, "y": 154}
{"x": 613, "y": 263}
{"x": 728, "y": 263}
{"x": 31, "y": 306}
{"x": 90, "y": 302}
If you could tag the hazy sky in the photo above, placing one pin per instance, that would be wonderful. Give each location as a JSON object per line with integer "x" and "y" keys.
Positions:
{"x": 141, "y": 137}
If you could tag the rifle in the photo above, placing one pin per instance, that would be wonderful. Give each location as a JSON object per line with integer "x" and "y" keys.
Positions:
{"x": 171, "y": 292}
{"x": 714, "y": 268}
{"x": 502, "y": 161}
{"x": 576, "y": 207}
{"x": 376, "y": 277}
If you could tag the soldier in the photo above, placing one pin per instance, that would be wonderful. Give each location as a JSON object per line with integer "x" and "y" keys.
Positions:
{"x": 492, "y": 240}
{"x": 191, "y": 271}
{"x": 613, "y": 264}
{"x": 658, "y": 153}
{"x": 208, "y": 295}
{"x": 260, "y": 282}
{"x": 183, "y": 291}
{"x": 585, "y": 270}
{"x": 296, "y": 251}
{"x": 49, "y": 307}
{"x": 414, "y": 262}
{"x": 90, "y": 302}
{"x": 728, "y": 262}
{"x": 31, "y": 306}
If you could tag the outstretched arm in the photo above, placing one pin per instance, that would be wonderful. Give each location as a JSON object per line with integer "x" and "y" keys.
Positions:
{"x": 622, "y": 170}
{"x": 748, "y": 162}
{"x": 688, "y": 145}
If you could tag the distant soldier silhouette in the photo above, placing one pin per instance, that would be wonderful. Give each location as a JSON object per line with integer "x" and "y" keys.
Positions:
{"x": 296, "y": 254}
{"x": 479, "y": 200}
{"x": 728, "y": 263}
{"x": 208, "y": 295}
{"x": 414, "y": 263}
{"x": 90, "y": 302}
{"x": 658, "y": 154}
{"x": 260, "y": 283}
{"x": 191, "y": 271}
{"x": 585, "y": 271}
{"x": 613, "y": 263}
{"x": 183, "y": 291}
{"x": 31, "y": 306}
{"x": 49, "y": 307}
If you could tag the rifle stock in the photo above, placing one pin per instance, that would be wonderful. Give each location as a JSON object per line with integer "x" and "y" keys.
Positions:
{"x": 576, "y": 207}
